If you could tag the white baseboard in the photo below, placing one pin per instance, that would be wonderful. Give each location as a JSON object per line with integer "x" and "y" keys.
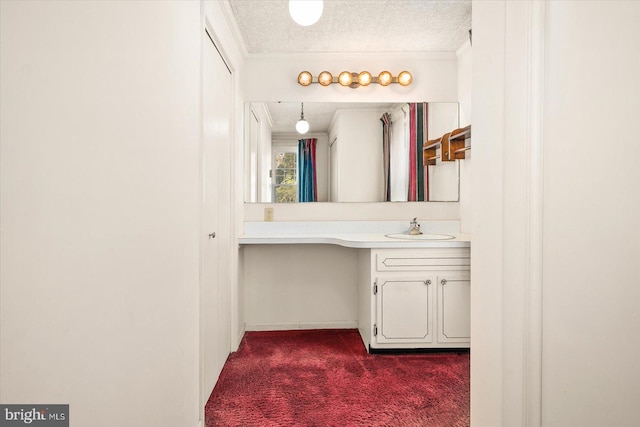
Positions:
{"x": 239, "y": 339}
{"x": 347, "y": 324}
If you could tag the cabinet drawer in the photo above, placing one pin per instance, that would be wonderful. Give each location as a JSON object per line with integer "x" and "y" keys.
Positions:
{"x": 451, "y": 259}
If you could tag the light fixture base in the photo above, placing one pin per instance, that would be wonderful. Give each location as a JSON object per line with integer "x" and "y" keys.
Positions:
{"x": 355, "y": 80}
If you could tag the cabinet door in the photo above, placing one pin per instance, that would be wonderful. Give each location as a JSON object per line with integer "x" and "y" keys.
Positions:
{"x": 404, "y": 307}
{"x": 454, "y": 309}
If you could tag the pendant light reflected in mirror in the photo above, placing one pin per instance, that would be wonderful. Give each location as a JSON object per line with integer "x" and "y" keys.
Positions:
{"x": 302, "y": 126}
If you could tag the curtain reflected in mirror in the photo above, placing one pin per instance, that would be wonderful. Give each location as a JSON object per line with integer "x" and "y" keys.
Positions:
{"x": 353, "y": 152}
{"x": 307, "y": 182}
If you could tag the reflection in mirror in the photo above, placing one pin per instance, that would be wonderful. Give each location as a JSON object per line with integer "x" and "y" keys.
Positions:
{"x": 353, "y": 152}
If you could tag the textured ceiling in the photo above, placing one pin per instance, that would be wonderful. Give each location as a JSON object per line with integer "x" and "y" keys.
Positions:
{"x": 356, "y": 26}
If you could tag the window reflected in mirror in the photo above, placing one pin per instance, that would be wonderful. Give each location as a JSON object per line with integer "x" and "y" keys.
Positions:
{"x": 285, "y": 182}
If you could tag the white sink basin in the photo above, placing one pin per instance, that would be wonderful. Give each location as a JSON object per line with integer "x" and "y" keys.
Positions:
{"x": 424, "y": 236}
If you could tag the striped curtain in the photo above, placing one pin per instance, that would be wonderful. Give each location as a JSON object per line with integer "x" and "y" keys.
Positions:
{"x": 407, "y": 130}
{"x": 419, "y": 145}
{"x": 424, "y": 139}
{"x": 307, "y": 177}
{"x": 418, "y": 174}
{"x": 386, "y": 155}
{"x": 413, "y": 170}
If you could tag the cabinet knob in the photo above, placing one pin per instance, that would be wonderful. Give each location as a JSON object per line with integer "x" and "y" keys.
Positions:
{"x": 443, "y": 281}
{"x": 427, "y": 282}
{"x": 212, "y": 235}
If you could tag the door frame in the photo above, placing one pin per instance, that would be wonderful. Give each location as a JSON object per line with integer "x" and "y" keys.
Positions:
{"x": 208, "y": 35}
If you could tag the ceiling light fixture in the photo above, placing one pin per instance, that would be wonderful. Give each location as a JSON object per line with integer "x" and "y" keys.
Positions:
{"x": 345, "y": 78}
{"x": 385, "y": 78}
{"x": 354, "y": 80}
{"x": 324, "y": 78}
{"x": 364, "y": 78}
{"x": 305, "y": 12}
{"x": 302, "y": 126}
{"x": 305, "y": 78}
{"x": 405, "y": 78}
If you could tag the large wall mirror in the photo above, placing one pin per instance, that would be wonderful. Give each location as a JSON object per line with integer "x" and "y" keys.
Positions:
{"x": 352, "y": 152}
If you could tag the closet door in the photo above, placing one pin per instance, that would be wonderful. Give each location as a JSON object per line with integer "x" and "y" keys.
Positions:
{"x": 251, "y": 160}
{"x": 215, "y": 284}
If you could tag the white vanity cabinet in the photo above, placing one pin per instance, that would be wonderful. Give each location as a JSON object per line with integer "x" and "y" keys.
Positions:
{"x": 454, "y": 308}
{"x": 405, "y": 306}
{"x": 414, "y": 298}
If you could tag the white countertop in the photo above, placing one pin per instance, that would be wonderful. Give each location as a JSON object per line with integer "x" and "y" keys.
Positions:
{"x": 363, "y": 234}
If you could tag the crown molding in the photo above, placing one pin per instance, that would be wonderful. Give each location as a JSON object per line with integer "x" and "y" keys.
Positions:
{"x": 234, "y": 27}
{"x": 380, "y": 56}
{"x": 466, "y": 47}
{"x": 265, "y": 110}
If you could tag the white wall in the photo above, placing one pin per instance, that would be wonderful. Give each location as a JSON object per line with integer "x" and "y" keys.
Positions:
{"x": 591, "y": 294}
{"x": 358, "y": 136}
{"x": 487, "y": 358}
{"x": 464, "y": 82}
{"x": 100, "y": 209}
{"x": 444, "y": 176}
{"x": 252, "y": 130}
{"x": 464, "y": 54}
{"x": 257, "y": 153}
{"x": 434, "y": 77}
{"x": 381, "y": 211}
{"x": 443, "y": 117}
{"x": 555, "y": 321}
{"x": 290, "y": 288}
{"x": 265, "y": 160}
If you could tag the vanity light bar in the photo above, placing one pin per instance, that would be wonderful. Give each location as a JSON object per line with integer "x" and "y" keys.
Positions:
{"x": 354, "y": 80}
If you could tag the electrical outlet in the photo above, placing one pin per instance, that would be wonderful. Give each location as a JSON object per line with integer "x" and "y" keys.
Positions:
{"x": 268, "y": 214}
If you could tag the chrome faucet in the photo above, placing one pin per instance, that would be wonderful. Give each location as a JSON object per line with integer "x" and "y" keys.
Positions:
{"x": 414, "y": 228}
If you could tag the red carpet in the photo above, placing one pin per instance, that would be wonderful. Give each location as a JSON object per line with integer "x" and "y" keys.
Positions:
{"x": 326, "y": 378}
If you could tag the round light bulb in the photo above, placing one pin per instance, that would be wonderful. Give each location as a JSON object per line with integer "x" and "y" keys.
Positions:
{"x": 305, "y": 12}
{"x": 325, "y": 78}
{"x": 302, "y": 126}
{"x": 405, "y": 78}
{"x": 364, "y": 78}
{"x": 305, "y": 78}
{"x": 345, "y": 78}
{"x": 384, "y": 78}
